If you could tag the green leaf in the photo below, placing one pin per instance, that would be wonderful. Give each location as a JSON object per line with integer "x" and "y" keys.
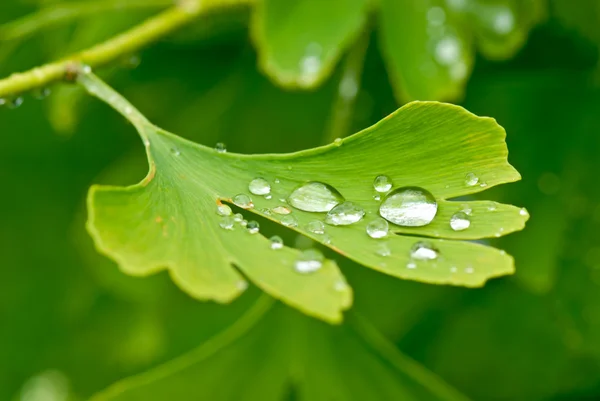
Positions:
{"x": 169, "y": 220}
{"x": 272, "y": 350}
{"x": 299, "y": 42}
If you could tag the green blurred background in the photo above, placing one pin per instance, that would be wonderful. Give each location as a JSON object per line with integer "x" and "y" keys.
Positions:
{"x": 70, "y": 321}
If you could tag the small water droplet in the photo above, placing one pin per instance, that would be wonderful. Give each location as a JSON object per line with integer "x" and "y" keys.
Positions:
{"x": 469, "y": 269}
{"x": 14, "y": 102}
{"x": 282, "y": 210}
{"x": 409, "y": 207}
{"x": 220, "y": 147}
{"x": 289, "y": 221}
{"x": 41, "y": 93}
{"x": 259, "y": 186}
{"x": 460, "y": 221}
{"x": 238, "y": 217}
{"x": 344, "y": 214}
{"x": 268, "y": 196}
{"x": 227, "y": 222}
{"x": 242, "y": 285}
{"x": 244, "y": 223}
{"x": 315, "y": 196}
{"x": 266, "y": 211}
{"x": 309, "y": 261}
{"x": 223, "y": 210}
{"x": 453, "y": 269}
{"x": 337, "y": 141}
{"x": 378, "y": 228}
{"x": 340, "y": 286}
{"x": 326, "y": 240}
{"x": 504, "y": 21}
{"x": 253, "y": 227}
{"x": 377, "y": 197}
{"x": 483, "y": 185}
{"x": 467, "y": 209}
{"x": 243, "y": 201}
{"x": 424, "y": 250}
{"x": 447, "y": 50}
{"x": 436, "y": 16}
{"x": 276, "y": 242}
{"x": 492, "y": 208}
{"x": 382, "y": 183}
{"x": 316, "y": 227}
{"x": 175, "y": 151}
{"x": 523, "y": 212}
{"x": 383, "y": 250}
{"x": 411, "y": 265}
{"x": 471, "y": 179}
{"x": 277, "y": 181}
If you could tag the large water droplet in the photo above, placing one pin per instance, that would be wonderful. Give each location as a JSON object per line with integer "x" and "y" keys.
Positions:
{"x": 276, "y": 242}
{"x": 309, "y": 261}
{"x": 223, "y": 210}
{"x": 460, "y": 221}
{"x": 424, "y": 250}
{"x": 253, "y": 227}
{"x": 409, "y": 207}
{"x": 378, "y": 228}
{"x": 316, "y": 227}
{"x": 315, "y": 197}
{"x": 259, "y": 186}
{"x": 471, "y": 179}
{"x": 344, "y": 214}
{"x": 243, "y": 201}
{"x": 282, "y": 210}
{"x": 382, "y": 183}
{"x": 220, "y": 147}
{"x": 289, "y": 221}
{"x": 227, "y": 222}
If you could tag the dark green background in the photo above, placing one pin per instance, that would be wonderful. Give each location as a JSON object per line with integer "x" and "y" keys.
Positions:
{"x": 533, "y": 336}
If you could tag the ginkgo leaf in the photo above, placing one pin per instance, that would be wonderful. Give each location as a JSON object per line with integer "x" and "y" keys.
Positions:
{"x": 302, "y": 51}
{"x": 275, "y": 351}
{"x": 170, "y": 221}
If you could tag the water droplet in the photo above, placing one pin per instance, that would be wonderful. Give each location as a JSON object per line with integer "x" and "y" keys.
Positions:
{"x": 227, "y": 222}
{"x": 243, "y": 201}
{"x": 492, "y": 208}
{"x": 14, "y": 102}
{"x": 447, "y": 50}
{"x": 467, "y": 209}
{"x": 348, "y": 88}
{"x": 309, "y": 261}
{"x": 244, "y": 223}
{"x": 223, "y": 210}
{"x": 504, "y": 21}
{"x": 238, "y": 217}
{"x": 41, "y": 93}
{"x": 282, "y": 210}
{"x": 340, "y": 286}
{"x": 382, "y": 183}
{"x": 266, "y": 211}
{"x": 316, "y": 227}
{"x": 411, "y": 265}
{"x": 436, "y": 16}
{"x": 220, "y": 147}
{"x": 337, "y": 141}
{"x": 289, "y": 221}
{"x": 252, "y": 227}
{"x": 523, "y": 212}
{"x": 310, "y": 65}
{"x": 378, "y": 228}
{"x": 471, "y": 179}
{"x": 483, "y": 185}
{"x": 268, "y": 196}
{"x": 277, "y": 181}
{"x": 460, "y": 221}
{"x": 469, "y": 269}
{"x": 326, "y": 240}
{"x": 344, "y": 214}
{"x": 377, "y": 197}
{"x": 409, "y": 207}
{"x": 175, "y": 151}
{"x": 315, "y": 197}
{"x": 259, "y": 186}
{"x": 453, "y": 269}
{"x": 276, "y": 242}
{"x": 383, "y": 250}
{"x": 424, "y": 250}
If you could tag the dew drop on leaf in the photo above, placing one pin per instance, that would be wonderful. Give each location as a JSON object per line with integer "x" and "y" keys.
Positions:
{"x": 315, "y": 196}
{"x": 460, "y": 221}
{"x": 316, "y": 227}
{"x": 289, "y": 221}
{"x": 175, "y": 151}
{"x": 377, "y": 197}
{"x": 224, "y": 210}
{"x": 378, "y": 228}
{"x": 238, "y": 217}
{"x": 471, "y": 179}
{"x": 252, "y": 227}
{"x": 340, "y": 285}
{"x": 409, "y": 207}
{"x": 227, "y": 223}
{"x": 424, "y": 250}
{"x": 523, "y": 212}
{"x": 259, "y": 186}
{"x": 282, "y": 210}
{"x": 242, "y": 285}
{"x": 337, "y": 141}
{"x": 276, "y": 242}
{"x": 15, "y": 102}
{"x": 382, "y": 183}
{"x": 243, "y": 201}
{"x": 383, "y": 250}
{"x": 309, "y": 261}
{"x": 411, "y": 265}
{"x": 268, "y": 196}
{"x": 41, "y": 93}
{"x": 220, "y": 147}
{"x": 344, "y": 214}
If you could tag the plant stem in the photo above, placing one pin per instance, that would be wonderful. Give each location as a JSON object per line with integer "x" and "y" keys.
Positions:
{"x": 127, "y": 42}
{"x": 65, "y": 12}
{"x": 348, "y": 89}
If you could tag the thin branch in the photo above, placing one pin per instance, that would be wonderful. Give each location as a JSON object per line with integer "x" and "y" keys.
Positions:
{"x": 61, "y": 13}
{"x": 348, "y": 88}
{"x": 125, "y": 43}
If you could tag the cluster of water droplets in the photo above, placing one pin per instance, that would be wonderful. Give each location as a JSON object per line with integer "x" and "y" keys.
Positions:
{"x": 15, "y": 101}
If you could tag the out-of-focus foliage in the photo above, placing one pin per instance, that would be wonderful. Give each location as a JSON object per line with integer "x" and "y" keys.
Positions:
{"x": 70, "y": 320}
